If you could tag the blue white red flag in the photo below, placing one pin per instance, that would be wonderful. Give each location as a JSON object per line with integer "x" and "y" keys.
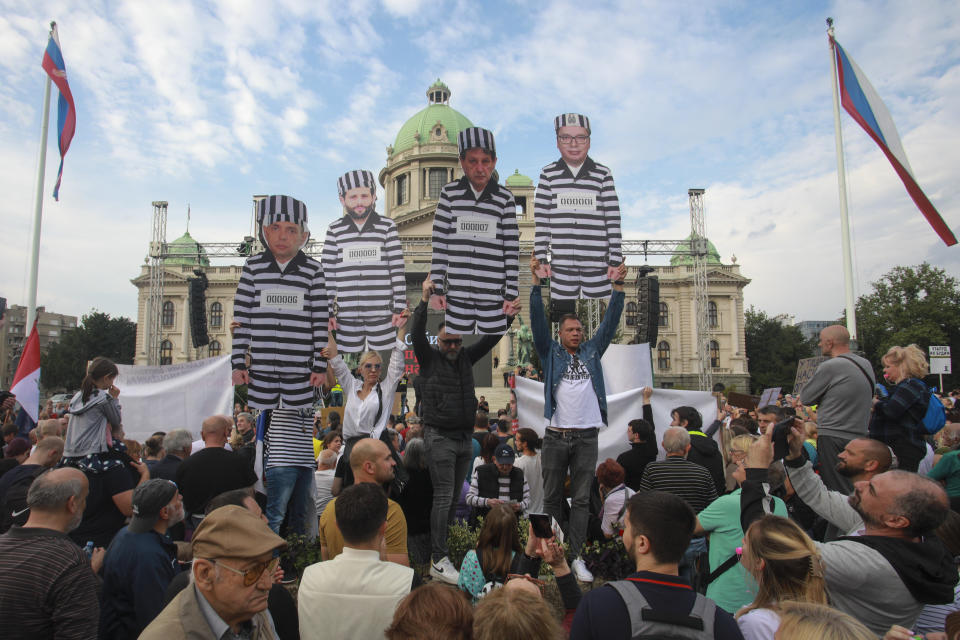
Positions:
{"x": 862, "y": 102}
{"x": 66, "y": 111}
{"x": 258, "y": 460}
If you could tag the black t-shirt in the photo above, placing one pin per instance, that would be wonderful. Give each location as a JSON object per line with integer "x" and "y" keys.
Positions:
{"x": 101, "y": 518}
{"x": 210, "y": 472}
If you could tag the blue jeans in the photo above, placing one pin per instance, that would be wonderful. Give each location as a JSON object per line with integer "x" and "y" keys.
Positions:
{"x": 448, "y": 460}
{"x": 288, "y": 486}
{"x": 576, "y": 451}
{"x": 688, "y": 565}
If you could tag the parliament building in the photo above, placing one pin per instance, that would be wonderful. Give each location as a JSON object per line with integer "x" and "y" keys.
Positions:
{"x": 421, "y": 160}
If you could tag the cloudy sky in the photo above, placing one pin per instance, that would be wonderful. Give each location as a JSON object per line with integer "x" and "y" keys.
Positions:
{"x": 208, "y": 103}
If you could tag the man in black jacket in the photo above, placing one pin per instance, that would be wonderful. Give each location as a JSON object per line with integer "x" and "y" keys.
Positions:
{"x": 703, "y": 449}
{"x": 449, "y": 406}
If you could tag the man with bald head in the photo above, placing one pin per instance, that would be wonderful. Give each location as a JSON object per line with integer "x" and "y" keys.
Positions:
{"x": 370, "y": 462}
{"x": 213, "y": 469}
{"x": 15, "y": 484}
{"x": 842, "y": 389}
{"x": 893, "y": 566}
{"x": 47, "y": 587}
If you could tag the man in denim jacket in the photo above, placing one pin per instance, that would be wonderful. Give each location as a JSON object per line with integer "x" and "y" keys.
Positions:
{"x": 575, "y": 407}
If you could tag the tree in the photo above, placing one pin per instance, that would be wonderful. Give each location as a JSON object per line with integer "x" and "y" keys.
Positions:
{"x": 773, "y": 351}
{"x": 64, "y": 364}
{"x": 910, "y": 305}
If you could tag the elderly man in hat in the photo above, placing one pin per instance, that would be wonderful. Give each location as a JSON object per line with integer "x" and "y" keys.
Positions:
{"x": 234, "y": 557}
{"x": 578, "y": 217}
{"x": 363, "y": 265}
{"x": 281, "y": 309}
{"x": 140, "y": 562}
{"x": 499, "y": 482}
{"x": 476, "y": 243}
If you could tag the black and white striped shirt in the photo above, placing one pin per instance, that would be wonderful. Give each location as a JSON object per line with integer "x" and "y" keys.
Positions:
{"x": 578, "y": 219}
{"x": 282, "y": 315}
{"x": 364, "y": 267}
{"x": 682, "y": 478}
{"x": 289, "y": 440}
{"x": 476, "y": 244}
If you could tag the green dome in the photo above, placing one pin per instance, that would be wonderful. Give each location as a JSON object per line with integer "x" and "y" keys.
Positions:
{"x": 422, "y": 122}
{"x": 519, "y": 180}
{"x": 186, "y": 250}
{"x": 713, "y": 256}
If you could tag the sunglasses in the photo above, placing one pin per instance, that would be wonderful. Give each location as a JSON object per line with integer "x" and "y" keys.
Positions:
{"x": 517, "y": 576}
{"x": 251, "y": 575}
{"x": 372, "y": 365}
{"x": 450, "y": 342}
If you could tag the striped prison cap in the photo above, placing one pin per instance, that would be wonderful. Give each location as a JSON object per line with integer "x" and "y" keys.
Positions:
{"x": 354, "y": 179}
{"x": 476, "y": 138}
{"x": 281, "y": 209}
{"x": 571, "y": 120}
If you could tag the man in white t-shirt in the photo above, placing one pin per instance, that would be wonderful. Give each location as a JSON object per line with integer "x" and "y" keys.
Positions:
{"x": 575, "y": 407}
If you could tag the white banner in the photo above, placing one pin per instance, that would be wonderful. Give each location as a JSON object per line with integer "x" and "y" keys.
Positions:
{"x": 174, "y": 396}
{"x": 625, "y": 367}
{"x": 621, "y": 409}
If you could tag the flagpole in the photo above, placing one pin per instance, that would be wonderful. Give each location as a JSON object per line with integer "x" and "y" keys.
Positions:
{"x": 38, "y": 202}
{"x": 842, "y": 184}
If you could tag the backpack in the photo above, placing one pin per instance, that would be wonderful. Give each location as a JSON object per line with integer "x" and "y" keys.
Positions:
{"x": 936, "y": 415}
{"x": 664, "y": 625}
{"x": 13, "y": 504}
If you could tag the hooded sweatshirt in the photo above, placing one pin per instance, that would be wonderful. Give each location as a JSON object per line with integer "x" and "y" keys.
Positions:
{"x": 89, "y": 421}
{"x": 705, "y": 452}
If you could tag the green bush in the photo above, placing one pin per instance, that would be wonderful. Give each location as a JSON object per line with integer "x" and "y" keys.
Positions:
{"x": 301, "y": 553}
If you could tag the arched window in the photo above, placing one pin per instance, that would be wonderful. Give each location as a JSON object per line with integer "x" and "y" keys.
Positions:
{"x": 166, "y": 352}
{"x": 216, "y": 315}
{"x": 436, "y": 178}
{"x": 631, "y": 316}
{"x": 712, "y": 318}
{"x": 663, "y": 355}
{"x": 213, "y": 349}
{"x": 664, "y": 319}
{"x": 167, "y": 316}
{"x": 714, "y": 354}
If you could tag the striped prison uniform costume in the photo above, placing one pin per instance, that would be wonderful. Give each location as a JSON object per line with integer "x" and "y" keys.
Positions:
{"x": 365, "y": 283}
{"x": 288, "y": 441}
{"x": 578, "y": 223}
{"x": 476, "y": 250}
{"x": 283, "y": 324}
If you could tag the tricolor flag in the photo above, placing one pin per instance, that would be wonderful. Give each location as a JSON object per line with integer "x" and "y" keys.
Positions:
{"x": 66, "y": 112}
{"x": 26, "y": 380}
{"x": 258, "y": 459}
{"x": 863, "y": 103}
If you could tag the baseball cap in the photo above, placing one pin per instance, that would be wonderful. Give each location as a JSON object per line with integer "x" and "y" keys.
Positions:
{"x": 504, "y": 454}
{"x": 234, "y": 532}
{"x": 148, "y": 499}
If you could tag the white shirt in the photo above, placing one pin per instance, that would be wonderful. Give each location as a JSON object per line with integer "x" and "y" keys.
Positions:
{"x": 200, "y": 444}
{"x": 577, "y": 404}
{"x": 533, "y": 474}
{"x": 759, "y": 624}
{"x": 359, "y": 414}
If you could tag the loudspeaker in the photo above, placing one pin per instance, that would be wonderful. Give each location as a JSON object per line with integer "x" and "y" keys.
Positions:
{"x": 198, "y": 309}
{"x": 648, "y": 309}
{"x": 560, "y": 307}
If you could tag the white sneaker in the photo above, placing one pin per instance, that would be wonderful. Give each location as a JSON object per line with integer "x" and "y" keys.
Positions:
{"x": 444, "y": 571}
{"x": 580, "y": 570}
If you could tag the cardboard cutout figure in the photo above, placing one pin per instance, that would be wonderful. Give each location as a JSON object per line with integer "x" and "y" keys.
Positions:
{"x": 363, "y": 264}
{"x": 577, "y": 215}
{"x": 476, "y": 244}
{"x": 281, "y": 308}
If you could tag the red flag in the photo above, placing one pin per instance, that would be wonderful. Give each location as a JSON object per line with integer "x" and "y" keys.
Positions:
{"x": 26, "y": 381}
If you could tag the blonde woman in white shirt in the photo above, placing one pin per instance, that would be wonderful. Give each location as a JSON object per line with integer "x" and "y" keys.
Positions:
{"x": 367, "y": 400}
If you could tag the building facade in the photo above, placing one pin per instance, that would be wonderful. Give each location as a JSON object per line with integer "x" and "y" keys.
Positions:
{"x": 421, "y": 160}
{"x": 50, "y": 328}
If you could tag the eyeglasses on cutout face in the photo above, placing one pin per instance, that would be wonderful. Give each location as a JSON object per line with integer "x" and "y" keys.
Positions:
{"x": 372, "y": 365}
{"x": 565, "y": 139}
{"x": 251, "y": 575}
